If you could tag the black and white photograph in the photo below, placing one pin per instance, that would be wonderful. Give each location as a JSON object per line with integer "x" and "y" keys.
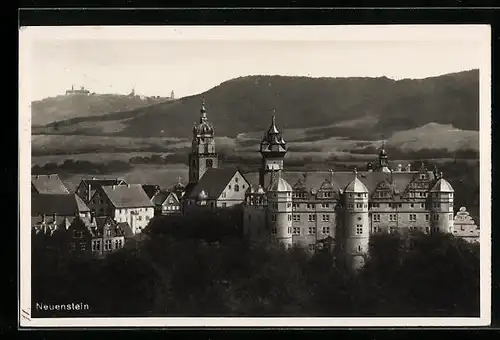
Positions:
{"x": 255, "y": 176}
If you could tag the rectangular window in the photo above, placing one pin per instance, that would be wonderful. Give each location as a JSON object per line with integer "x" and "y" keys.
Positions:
{"x": 411, "y": 205}
{"x": 349, "y": 206}
{"x": 96, "y": 245}
{"x": 376, "y": 217}
{"x": 273, "y": 217}
{"x": 289, "y": 230}
{"x": 400, "y": 205}
{"x": 326, "y": 230}
{"x": 326, "y": 218}
{"x": 427, "y": 217}
{"x": 359, "y": 205}
{"x": 289, "y": 217}
{"x": 310, "y": 206}
{"x": 359, "y": 229}
{"x": 296, "y": 230}
{"x": 107, "y": 245}
{"x": 451, "y": 217}
{"x": 312, "y": 230}
{"x": 392, "y": 217}
{"x": 312, "y": 218}
{"x": 83, "y": 246}
{"x": 273, "y": 231}
{"x": 413, "y": 217}
{"x": 422, "y": 205}
{"x": 296, "y": 217}
{"x": 77, "y": 234}
{"x": 295, "y": 205}
{"x": 325, "y": 205}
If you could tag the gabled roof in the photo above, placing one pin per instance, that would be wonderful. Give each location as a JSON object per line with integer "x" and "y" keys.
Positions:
{"x": 314, "y": 179}
{"x": 150, "y": 189}
{"x": 213, "y": 182}
{"x": 48, "y": 184}
{"x": 162, "y": 196}
{"x": 127, "y": 196}
{"x": 59, "y": 204}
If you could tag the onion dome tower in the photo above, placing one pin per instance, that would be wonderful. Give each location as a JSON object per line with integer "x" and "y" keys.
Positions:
{"x": 357, "y": 223}
{"x": 383, "y": 162}
{"x": 203, "y": 155}
{"x": 279, "y": 210}
{"x": 273, "y": 151}
{"x": 442, "y": 206}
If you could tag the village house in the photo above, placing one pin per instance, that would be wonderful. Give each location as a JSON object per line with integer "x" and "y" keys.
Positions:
{"x": 95, "y": 237}
{"x": 217, "y": 188}
{"x": 47, "y": 184}
{"x": 125, "y": 203}
{"x": 50, "y": 212}
{"x": 166, "y": 203}
{"x": 88, "y": 186}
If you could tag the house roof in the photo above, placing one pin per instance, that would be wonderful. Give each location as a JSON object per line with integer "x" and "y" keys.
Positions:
{"x": 162, "y": 196}
{"x": 150, "y": 189}
{"x": 48, "y": 184}
{"x": 127, "y": 196}
{"x": 125, "y": 227}
{"x": 213, "y": 182}
{"x": 59, "y": 204}
{"x": 313, "y": 180}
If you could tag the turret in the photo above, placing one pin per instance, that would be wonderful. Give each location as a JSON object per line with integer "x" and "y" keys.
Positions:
{"x": 356, "y": 223}
{"x": 279, "y": 210}
{"x": 383, "y": 163}
{"x": 203, "y": 155}
{"x": 273, "y": 151}
{"x": 442, "y": 206}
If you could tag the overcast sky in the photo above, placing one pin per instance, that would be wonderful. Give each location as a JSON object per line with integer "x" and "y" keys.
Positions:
{"x": 195, "y": 61}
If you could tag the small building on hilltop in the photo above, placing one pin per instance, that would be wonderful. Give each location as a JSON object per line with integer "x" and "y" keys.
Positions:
{"x": 47, "y": 184}
{"x": 125, "y": 203}
{"x": 465, "y": 227}
{"x": 81, "y": 91}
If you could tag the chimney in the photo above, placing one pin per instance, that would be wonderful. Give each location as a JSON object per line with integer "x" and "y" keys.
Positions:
{"x": 400, "y": 167}
{"x": 408, "y": 168}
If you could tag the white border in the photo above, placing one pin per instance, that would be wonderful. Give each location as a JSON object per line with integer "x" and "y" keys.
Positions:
{"x": 476, "y": 33}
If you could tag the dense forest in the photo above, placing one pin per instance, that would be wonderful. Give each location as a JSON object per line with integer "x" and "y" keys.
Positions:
{"x": 202, "y": 267}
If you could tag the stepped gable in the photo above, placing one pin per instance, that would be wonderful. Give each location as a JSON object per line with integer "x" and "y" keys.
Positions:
{"x": 48, "y": 184}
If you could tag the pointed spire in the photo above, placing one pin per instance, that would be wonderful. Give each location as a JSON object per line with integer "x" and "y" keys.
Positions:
{"x": 355, "y": 171}
{"x": 203, "y": 112}
{"x": 273, "y": 129}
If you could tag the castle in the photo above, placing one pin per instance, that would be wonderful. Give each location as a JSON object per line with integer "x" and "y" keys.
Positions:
{"x": 324, "y": 207}
{"x": 81, "y": 91}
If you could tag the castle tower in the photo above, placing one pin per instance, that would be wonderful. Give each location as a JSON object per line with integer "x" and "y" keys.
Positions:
{"x": 279, "y": 210}
{"x": 172, "y": 96}
{"x": 442, "y": 206}
{"x": 357, "y": 223}
{"x": 202, "y": 156}
{"x": 273, "y": 151}
{"x": 383, "y": 162}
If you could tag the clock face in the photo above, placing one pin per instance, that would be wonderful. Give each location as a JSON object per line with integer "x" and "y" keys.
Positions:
{"x": 359, "y": 218}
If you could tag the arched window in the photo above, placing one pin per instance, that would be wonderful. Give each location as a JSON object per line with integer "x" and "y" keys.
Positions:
{"x": 236, "y": 187}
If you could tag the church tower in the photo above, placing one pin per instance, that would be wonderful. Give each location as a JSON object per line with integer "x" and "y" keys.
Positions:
{"x": 357, "y": 223}
{"x": 273, "y": 151}
{"x": 202, "y": 156}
